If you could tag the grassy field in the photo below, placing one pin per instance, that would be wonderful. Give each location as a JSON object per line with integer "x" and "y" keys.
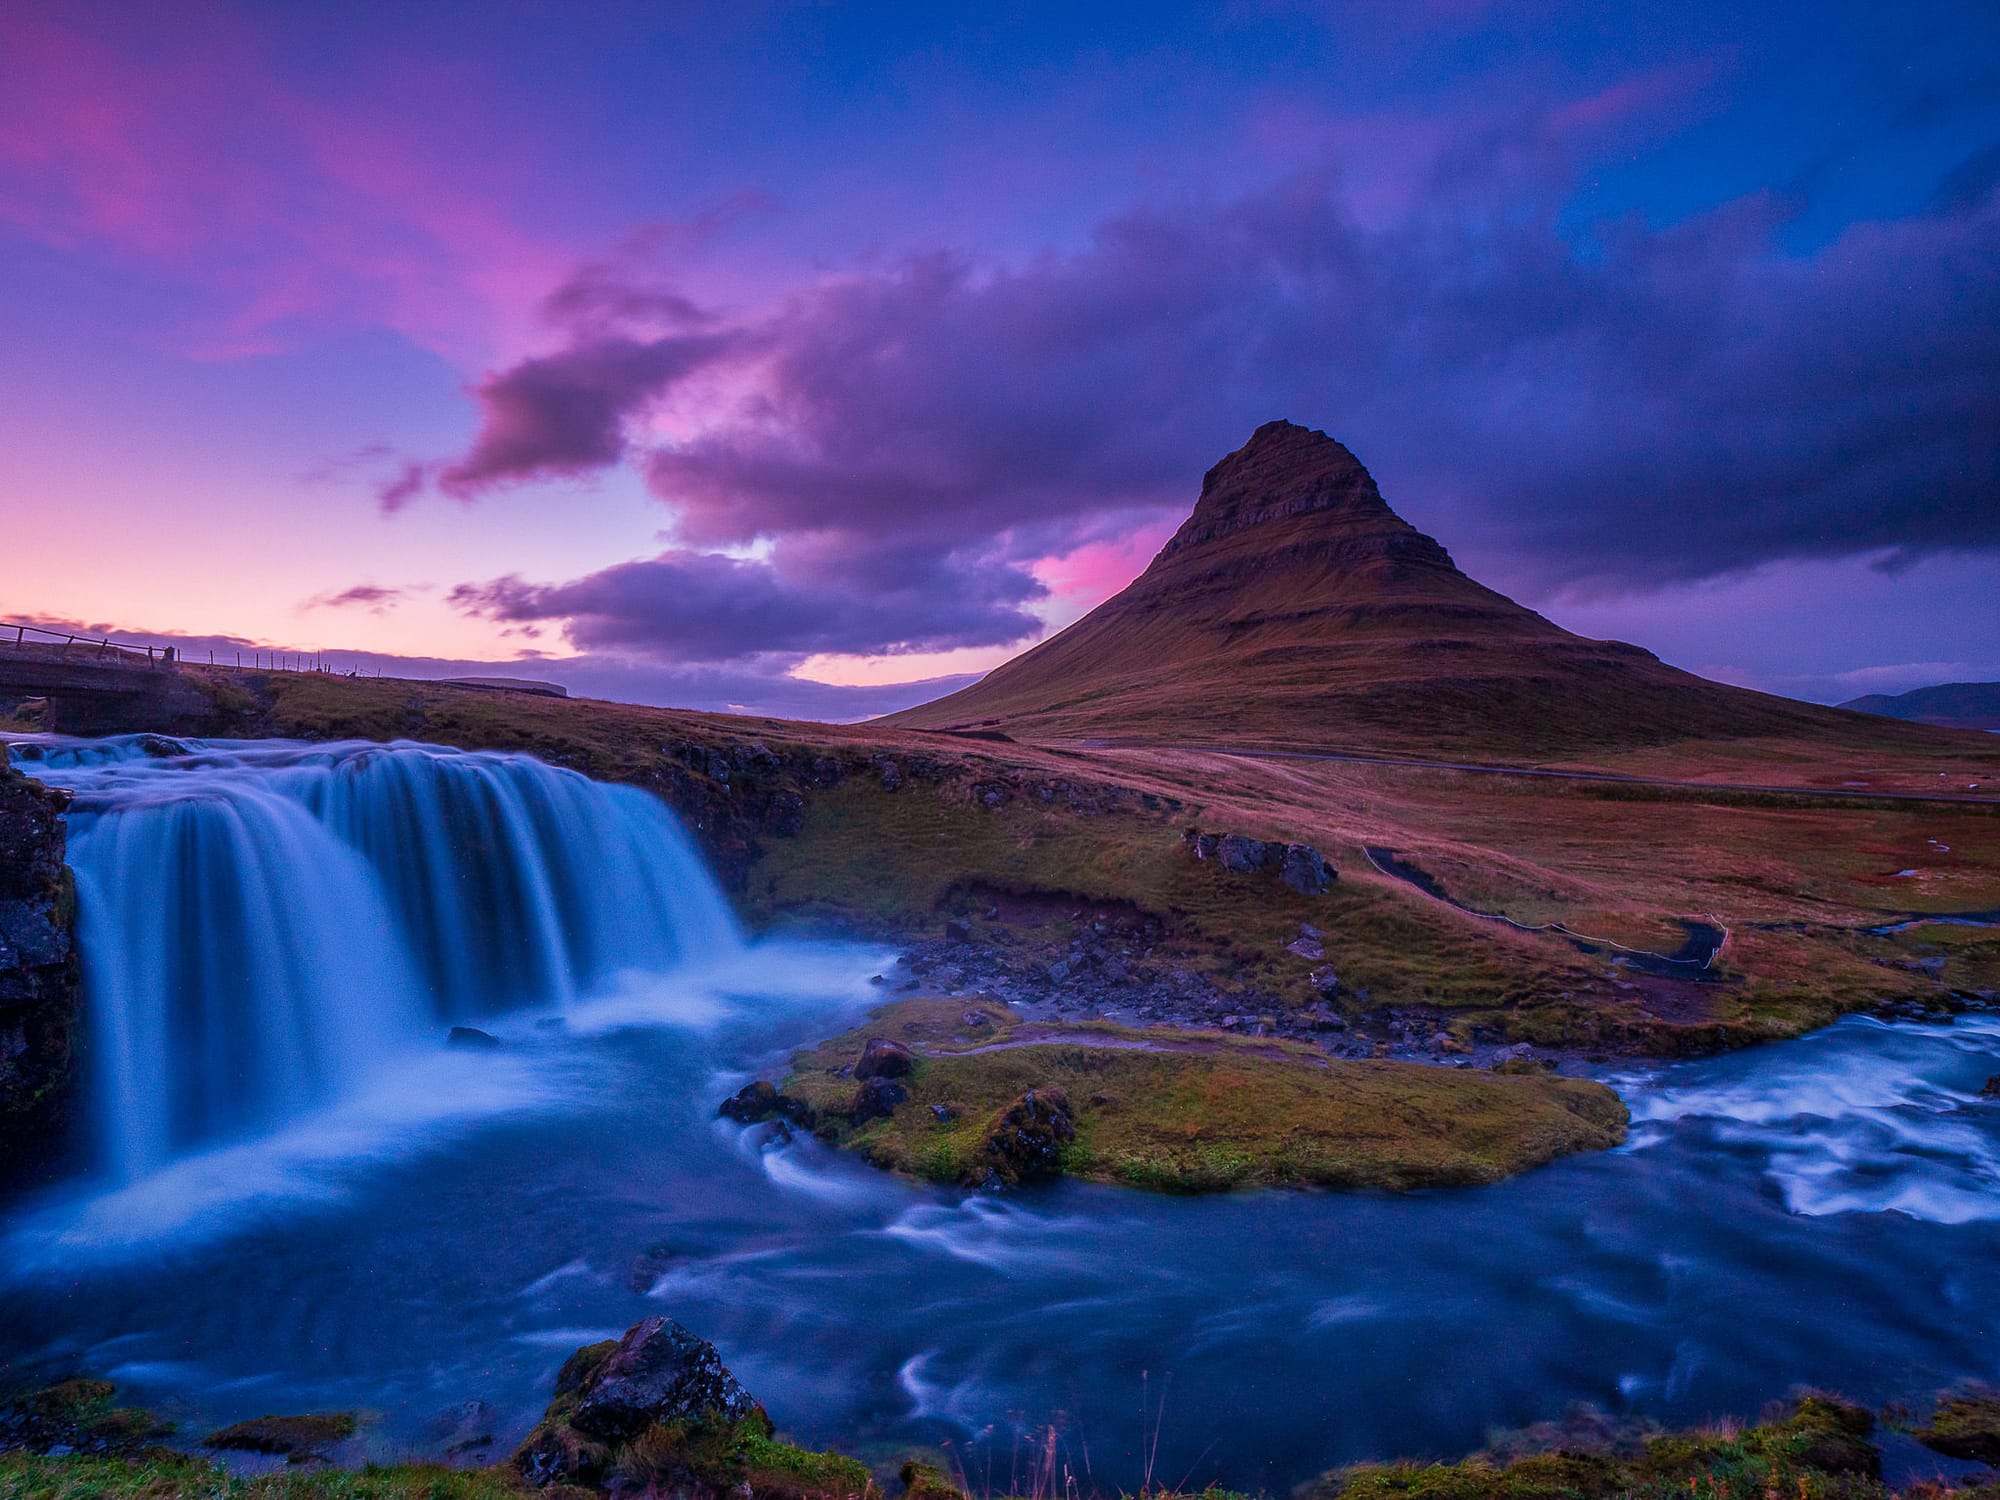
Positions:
{"x": 806, "y": 830}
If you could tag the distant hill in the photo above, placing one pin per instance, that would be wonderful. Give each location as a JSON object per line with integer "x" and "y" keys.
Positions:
{"x": 1294, "y": 608}
{"x": 1952, "y": 705}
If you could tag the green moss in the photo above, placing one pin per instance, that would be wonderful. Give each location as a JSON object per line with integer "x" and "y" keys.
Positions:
{"x": 1965, "y": 1425}
{"x": 709, "y": 1458}
{"x": 1818, "y": 1452}
{"x": 1200, "y": 1112}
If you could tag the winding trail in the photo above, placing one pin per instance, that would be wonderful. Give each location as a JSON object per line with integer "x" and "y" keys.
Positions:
{"x": 1701, "y": 936}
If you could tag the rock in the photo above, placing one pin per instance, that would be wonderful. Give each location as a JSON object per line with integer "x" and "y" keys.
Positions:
{"x": 943, "y": 1112}
{"x": 298, "y": 1438}
{"x": 1240, "y": 854}
{"x": 1326, "y": 981}
{"x": 1306, "y": 947}
{"x": 648, "y": 1266}
{"x": 892, "y": 774}
{"x": 786, "y": 816}
{"x": 877, "y": 1099}
{"x": 825, "y": 771}
{"x": 1206, "y": 845}
{"x": 957, "y": 930}
{"x": 659, "y": 1372}
{"x": 1305, "y": 870}
{"x": 1025, "y": 1143}
{"x": 882, "y": 1058}
{"x": 762, "y": 1101}
{"x": 1992, "y": 1089}
{"x": 471, "y": 1037}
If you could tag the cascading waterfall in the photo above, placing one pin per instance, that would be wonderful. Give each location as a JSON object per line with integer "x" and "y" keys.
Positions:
{"x": 265, "y": 923}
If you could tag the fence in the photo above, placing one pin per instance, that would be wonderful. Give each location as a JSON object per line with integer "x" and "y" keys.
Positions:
{"x": 57, "y": 645}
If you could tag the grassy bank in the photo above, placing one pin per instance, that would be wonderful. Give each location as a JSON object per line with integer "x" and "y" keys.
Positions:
{"x": 1187, "y": 1111}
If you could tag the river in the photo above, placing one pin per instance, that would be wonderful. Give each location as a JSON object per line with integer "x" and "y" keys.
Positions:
{"x": 426, "y": 1234}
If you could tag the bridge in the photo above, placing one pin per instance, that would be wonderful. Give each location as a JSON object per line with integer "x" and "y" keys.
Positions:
{"x": 90, "y": 681}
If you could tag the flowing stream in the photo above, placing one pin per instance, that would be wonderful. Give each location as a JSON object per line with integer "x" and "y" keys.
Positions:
{"x": 302, "y": 1199}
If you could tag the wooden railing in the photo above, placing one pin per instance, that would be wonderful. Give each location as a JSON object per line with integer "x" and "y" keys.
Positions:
{"x": 39, "y": 641}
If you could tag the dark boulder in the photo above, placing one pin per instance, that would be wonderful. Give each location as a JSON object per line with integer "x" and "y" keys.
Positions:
{"x": 759, "y": 1101}
{"x": 1992, "y": 1089}
{"x": 1241, "y": 854}
{"x": 659, "y": 1372}
{"x": 877, "y": 1099}
{"x": 1306, "y": 871}
{"x": 471, "y": 1037}
{"x": 882, "y": 1058}
{"x": 1025, "y": 1143}
{"x": 957, "y": 930}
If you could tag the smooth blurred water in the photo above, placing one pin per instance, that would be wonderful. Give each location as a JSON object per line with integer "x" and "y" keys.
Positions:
{"x": 1825, "y": 1211}
{"x": 268, "y": 926}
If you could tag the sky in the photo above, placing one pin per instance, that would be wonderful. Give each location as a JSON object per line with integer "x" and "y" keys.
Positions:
{"x": 805, "y": 359}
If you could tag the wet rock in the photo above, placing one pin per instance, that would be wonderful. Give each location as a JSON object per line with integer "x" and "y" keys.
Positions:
{"x": 957, "y": 930}
{"x": 658, "y": 1372}
{"x": 1025, "y": 1143}
{"x": 762, "y": 1101}
{"x": 471, "y": 1038}
{"x": 299, "y": 1439}
{"x": 1305, "y": 870}
{"x": 1966, "y": 1425}
{"x": 877, "y": 1099}
{"x": 882, "y": 1058}
{"x": 1992, "y": 1089}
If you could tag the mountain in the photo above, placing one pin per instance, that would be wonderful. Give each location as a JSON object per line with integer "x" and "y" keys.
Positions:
{"x": 1951, "y": 705}
{"x": 1294, "y": 608}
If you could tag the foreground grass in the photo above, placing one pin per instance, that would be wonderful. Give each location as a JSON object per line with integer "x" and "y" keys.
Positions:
{"x": 172, "y": 1476}
{"x": 1821, "y": 1450}
{"x": 1197, "y": 1113}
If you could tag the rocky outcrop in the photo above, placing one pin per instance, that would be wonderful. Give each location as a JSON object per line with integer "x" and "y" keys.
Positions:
{"x": 657, "y": 1411}
{"x": 40, "y": 995}
{"x": 1301, "y": 867}
{"x": 1025, "y": 1143}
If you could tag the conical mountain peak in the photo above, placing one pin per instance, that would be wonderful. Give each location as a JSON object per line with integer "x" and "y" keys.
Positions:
{"x": 1284, "y": 470}
{"x": 1294, "y": 607}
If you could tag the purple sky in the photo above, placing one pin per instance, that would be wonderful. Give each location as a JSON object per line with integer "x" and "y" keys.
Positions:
{"x": 781, "y": 357}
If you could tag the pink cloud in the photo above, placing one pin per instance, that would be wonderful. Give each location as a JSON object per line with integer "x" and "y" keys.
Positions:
{"x": 179, "y": 145}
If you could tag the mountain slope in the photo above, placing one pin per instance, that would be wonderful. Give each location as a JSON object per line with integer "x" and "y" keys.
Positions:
{"x": 1956, "y": 705}
{"x": 1294, "y": 608}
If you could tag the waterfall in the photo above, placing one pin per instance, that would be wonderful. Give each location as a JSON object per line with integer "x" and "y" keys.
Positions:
{"x": 264, "y": 923}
